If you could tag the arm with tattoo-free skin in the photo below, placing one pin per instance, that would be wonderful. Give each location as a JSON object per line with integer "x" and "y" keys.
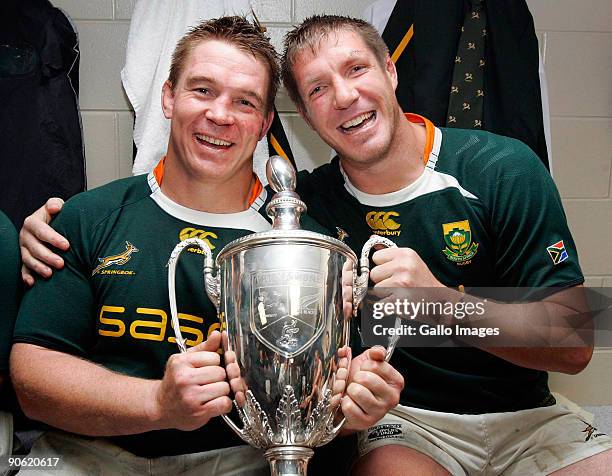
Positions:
{"x": 65, "y": 391}
{"x": 404, "y": 268}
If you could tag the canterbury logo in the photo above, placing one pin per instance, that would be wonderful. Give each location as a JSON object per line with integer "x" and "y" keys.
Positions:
{"x": 119, "y": 259}
{"x": 381, "y": 223}
{"x": 382, "y": 220}
{"x": 195, "y": 233}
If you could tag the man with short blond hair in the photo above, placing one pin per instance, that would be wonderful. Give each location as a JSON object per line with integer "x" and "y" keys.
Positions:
{"x": 465, "y": 410}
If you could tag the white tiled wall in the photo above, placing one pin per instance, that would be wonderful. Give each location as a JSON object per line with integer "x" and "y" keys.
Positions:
{"x": 576, "y": 40}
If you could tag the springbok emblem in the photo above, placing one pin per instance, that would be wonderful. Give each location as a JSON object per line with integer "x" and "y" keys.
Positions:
{"x": 342, "y": 235}
{"x": 119, "y": 259}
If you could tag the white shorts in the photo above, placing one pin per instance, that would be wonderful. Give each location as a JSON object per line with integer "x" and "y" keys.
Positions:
{"x": 527, "y": 442}
{"x": 78, "y": 456}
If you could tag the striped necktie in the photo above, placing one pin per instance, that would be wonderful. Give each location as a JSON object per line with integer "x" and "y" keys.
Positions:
{"x": 467, "y": 90}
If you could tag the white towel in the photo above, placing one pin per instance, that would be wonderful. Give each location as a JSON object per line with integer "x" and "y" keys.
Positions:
{"x": 378, "y": 13}
{"x": 155, "y": 28}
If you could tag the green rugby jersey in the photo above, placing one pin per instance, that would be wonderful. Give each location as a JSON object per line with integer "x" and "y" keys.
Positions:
{"x": 495, "y": 194}
{"x": 10, "y": 287}
{"x": 110, "y": 302}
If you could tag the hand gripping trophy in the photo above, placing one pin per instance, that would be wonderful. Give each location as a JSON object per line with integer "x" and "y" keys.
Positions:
{"x": 285, "y": 298}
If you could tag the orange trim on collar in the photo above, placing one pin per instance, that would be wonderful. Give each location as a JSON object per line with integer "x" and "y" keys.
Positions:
{"x": 158, "y": 171}
{"x": 256, "y": 189}
{"x": 429, "y": 132}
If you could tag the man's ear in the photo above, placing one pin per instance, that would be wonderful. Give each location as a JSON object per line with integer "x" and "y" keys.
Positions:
{"x": 391, "y": 71}
{"x": 267, "y": 123}
{"x": 167, "y": 99}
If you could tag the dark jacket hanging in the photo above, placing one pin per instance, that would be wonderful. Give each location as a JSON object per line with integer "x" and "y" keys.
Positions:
{"x": 41, "y": 147}
{"x": 512, "y": 101}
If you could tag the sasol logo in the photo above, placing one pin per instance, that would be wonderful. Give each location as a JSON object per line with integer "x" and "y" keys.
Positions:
{"x": 152, "y": 324}
{"x": 203, "y": 235}
{"x": 382, "y": 223}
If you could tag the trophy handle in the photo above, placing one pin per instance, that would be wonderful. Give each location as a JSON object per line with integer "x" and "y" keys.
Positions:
{"x": 233, "y": 426}
{"x": 213, "y": 288}
{"x": 212, "y": 283}
{"x": 360, "y": 286}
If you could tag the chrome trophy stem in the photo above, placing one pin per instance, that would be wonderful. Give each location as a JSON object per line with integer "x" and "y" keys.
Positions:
{"x": 288, "y": 460}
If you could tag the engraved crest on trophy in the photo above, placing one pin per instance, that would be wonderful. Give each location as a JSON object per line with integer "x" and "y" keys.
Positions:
{"x": 288, "y": 312}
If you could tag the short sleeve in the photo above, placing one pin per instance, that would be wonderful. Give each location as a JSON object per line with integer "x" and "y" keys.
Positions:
{"x": 533, "y": 244}
{"x": 57, "y": 313}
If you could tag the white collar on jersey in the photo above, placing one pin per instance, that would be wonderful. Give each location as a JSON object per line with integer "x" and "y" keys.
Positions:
{"x": 250, "y": 219}
{"x": 430, "y": 181}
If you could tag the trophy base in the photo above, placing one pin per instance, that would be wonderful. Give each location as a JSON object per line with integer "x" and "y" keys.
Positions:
{"x": 289, "y": 460}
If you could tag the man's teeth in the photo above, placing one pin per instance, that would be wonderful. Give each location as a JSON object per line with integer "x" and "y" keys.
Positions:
{"x": 358, "y": 120}
{"x": 212, "y": 140}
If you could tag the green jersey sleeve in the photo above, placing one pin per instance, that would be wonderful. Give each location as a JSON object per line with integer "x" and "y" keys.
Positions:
{"x": 56, "y": 313}
{"x": 533, "y": 244}
{"x": 10, "y": 287}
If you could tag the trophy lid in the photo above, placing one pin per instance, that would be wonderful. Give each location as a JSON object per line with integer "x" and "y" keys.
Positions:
{"x": 281, "y": 174}
{"x": 285, "y": 210}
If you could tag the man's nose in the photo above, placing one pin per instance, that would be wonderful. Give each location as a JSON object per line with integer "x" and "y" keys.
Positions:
{"x": 345, "y": 94}
{"x": 219, "y": 111}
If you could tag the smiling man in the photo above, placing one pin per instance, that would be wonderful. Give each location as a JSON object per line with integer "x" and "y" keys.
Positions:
{"x": 94, "y": 353}
{"x": 466, "y": 208}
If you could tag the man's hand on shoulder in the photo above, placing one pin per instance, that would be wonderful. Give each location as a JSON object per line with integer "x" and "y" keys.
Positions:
{"x": 374, "y": 388}
{"x": 194, "y": 388}
{"x": 34, "y": 239}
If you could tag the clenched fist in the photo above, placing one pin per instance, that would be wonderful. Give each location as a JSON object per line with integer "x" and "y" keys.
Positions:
{"x": 374, "y": 388}
{"x": 401, "y": 268}
{"x": 194, "y": 388}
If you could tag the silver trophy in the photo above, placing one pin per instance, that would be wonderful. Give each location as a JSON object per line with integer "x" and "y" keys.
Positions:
{"x": 285, "y": 298}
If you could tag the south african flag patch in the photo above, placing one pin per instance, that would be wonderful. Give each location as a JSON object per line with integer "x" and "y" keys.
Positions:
{"x": 557, "y": 252}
